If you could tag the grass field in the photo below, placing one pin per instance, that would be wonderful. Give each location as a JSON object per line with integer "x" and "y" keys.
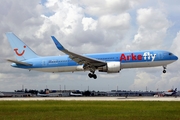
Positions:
{"x": 89, "y": 110}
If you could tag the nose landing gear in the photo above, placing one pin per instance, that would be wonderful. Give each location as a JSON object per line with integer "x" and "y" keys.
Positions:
{"x": 164, "y": 71}
{"x": 164, "y": 67}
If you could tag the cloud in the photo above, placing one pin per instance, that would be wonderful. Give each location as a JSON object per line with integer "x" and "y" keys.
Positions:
{"x": 175, "y": 45}
{"x": 89, "y": 24}
{"x": 143, "y": 80}
{"x": 74, "y": 28}
{"x": 101, "y": 7}
{"x": 152, "y": 28}
{"x": 120, "y": 22}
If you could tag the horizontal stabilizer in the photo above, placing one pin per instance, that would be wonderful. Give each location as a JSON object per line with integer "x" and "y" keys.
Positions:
{"x": 19, "y": 62}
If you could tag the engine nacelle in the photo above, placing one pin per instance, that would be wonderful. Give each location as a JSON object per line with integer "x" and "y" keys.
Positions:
{"x": 111, "y": 67}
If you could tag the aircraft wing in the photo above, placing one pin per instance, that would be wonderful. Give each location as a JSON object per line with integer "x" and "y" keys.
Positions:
{"x": 19, "y": 62}
{"x": 80, "y": 59}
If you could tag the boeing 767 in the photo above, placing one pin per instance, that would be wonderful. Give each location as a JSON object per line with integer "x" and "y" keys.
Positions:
{"x": 71, "y": 62}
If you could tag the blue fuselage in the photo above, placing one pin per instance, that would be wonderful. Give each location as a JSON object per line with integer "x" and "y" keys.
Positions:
{"x": 127, "y": 60}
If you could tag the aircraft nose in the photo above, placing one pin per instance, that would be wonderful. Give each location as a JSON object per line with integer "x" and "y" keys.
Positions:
{"x": 175, "y": 57}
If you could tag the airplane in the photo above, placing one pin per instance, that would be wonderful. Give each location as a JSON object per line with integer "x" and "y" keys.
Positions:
{"x": 42, "y": 95}
{"x": 49, "y": 94}
{"x": 77, "y": 93}
{"x": 71, "y": 62}
{"x": 170, "y": 92}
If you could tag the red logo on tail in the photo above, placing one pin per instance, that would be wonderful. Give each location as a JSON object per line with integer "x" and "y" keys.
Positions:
{"x": 19, "y": 54}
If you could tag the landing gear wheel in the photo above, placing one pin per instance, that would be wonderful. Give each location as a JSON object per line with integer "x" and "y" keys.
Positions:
{"x": 92, "y": 75}
{"x": 164, "y": 69}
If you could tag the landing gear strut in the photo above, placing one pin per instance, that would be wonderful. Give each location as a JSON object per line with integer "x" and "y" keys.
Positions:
{"x": 164, "y": 67}
{"x": 92, "y": 75}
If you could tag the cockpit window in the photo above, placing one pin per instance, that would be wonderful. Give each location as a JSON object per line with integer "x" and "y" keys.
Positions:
{"x": 170, "y": 54}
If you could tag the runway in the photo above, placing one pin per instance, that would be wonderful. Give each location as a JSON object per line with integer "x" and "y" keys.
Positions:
{"x": 92, "y": 99}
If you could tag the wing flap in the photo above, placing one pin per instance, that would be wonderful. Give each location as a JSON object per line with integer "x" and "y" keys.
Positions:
{"x": 19, "y": 62}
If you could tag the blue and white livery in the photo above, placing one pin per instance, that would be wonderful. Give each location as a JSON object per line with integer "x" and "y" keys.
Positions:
{"x": 71, "y": 62}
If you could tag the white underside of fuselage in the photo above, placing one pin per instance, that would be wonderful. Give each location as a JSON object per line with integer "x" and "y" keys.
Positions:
{"x": 146, "y": 64}
{"x": 60, "y": 69}
{"x": 123, "y": 66}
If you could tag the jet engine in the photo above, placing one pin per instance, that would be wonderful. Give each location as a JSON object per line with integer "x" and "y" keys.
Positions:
{"x": 111, "y": 67}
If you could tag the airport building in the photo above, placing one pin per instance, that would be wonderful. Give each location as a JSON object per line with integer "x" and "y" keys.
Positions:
{"x": 15, "y": 94}
{"x": 68, "y": 93}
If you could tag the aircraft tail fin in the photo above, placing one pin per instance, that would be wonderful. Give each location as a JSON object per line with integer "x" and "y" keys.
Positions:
{"x": 175, "y": 90}
{"x": 21, "y": 50}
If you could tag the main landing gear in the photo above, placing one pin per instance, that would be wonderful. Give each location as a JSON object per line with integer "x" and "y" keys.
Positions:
{"x": 164, "y": 67}
{"x": 92, "y": 75}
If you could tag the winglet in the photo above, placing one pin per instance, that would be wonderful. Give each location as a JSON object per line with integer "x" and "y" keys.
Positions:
{"x": 58, "y": 45}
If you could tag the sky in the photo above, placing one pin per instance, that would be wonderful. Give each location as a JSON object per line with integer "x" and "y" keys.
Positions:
{"x": 93, "y": 26}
